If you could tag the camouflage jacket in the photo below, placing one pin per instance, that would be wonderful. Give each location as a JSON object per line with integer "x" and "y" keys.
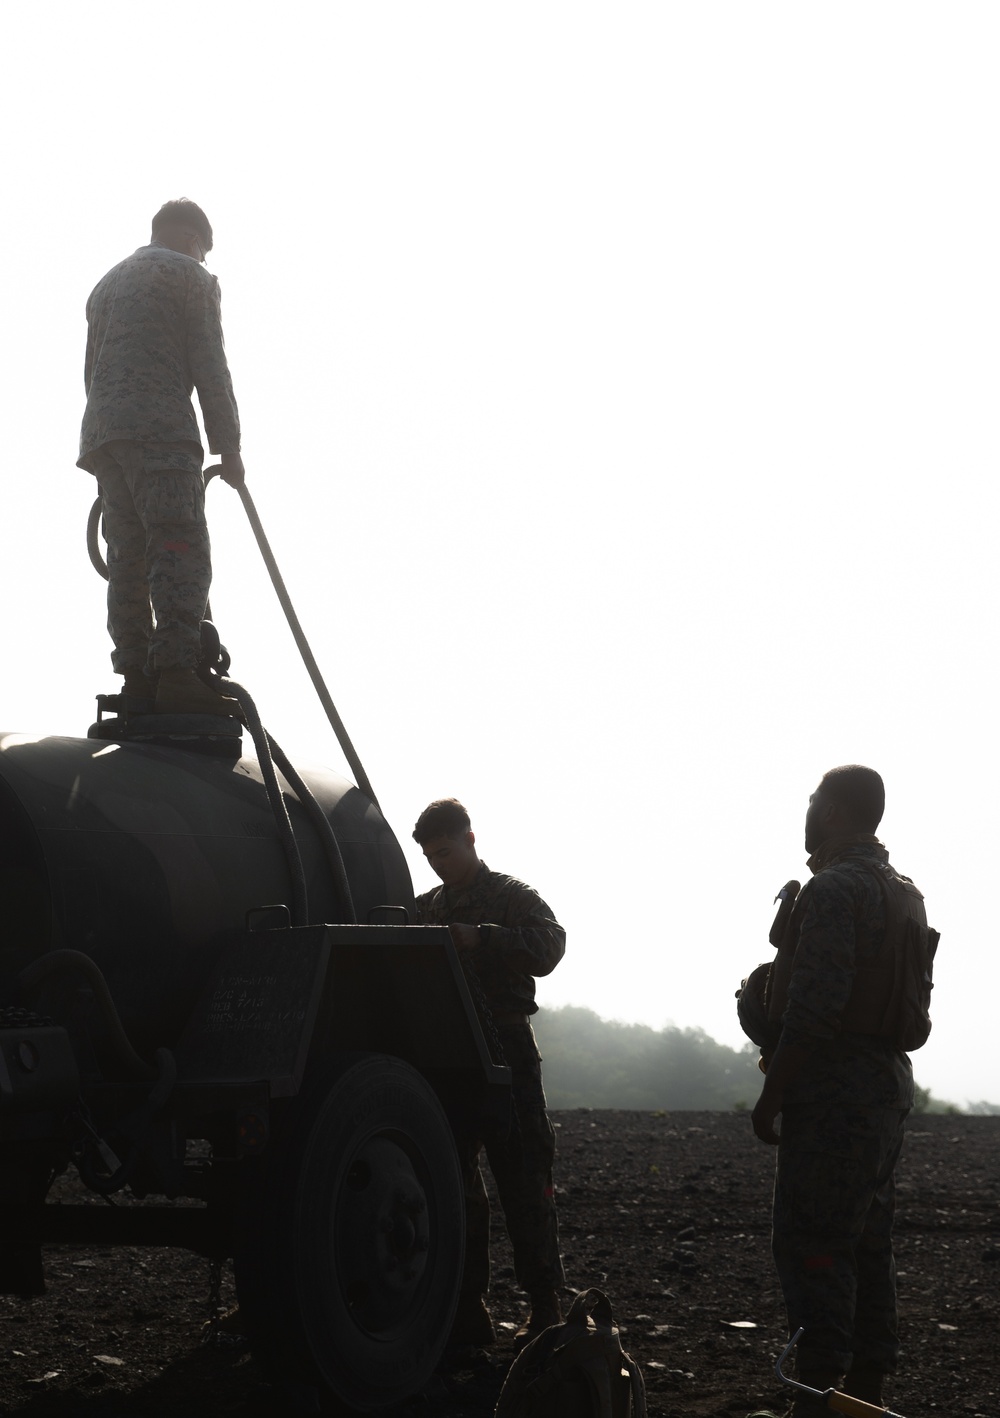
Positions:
{"x": 840, "y": 923}
{"x": 155, "y": 334}
{"x": 520, "y": 938}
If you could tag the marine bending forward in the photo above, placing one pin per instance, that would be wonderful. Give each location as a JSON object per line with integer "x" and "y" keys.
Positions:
{"x": 505, "y": 935}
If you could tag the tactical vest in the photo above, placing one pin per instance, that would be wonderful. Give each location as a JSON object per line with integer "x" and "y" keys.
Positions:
{"x": 890, "y": 997}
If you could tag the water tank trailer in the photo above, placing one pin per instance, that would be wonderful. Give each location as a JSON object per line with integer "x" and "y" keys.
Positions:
{"x": 211, "y": 989}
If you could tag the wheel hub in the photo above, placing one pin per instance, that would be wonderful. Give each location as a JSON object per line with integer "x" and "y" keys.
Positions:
{"x": 381, "y": 1235}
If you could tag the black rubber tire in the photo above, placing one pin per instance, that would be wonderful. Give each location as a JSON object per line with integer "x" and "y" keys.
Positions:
{"x": 352, "y": 1239}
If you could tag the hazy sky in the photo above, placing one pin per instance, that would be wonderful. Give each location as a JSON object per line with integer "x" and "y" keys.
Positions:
{"x": 618, "y": 392}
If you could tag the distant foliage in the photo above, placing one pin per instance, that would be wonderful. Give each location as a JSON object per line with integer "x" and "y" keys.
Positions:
{"x": 589, "y": 1062}
{"x": 990, "y": 1110}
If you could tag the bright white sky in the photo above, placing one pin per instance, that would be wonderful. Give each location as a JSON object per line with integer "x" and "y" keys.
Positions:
{"x": 618, "y": 386}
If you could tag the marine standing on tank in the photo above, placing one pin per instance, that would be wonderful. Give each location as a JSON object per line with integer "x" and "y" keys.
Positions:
{"x": 833, "y": 1022}
{"x": 505, "y": 936}
{"x": 155, "y": 334}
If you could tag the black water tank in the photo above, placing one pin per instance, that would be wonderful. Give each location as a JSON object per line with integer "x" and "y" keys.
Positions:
{"x": 147, "y": 859}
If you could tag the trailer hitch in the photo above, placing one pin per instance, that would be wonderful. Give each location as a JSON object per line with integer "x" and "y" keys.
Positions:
{"x": 833, "y": 1398}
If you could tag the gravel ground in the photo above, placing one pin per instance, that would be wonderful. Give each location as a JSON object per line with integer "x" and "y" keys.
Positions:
{"x": 666, "y": 1212}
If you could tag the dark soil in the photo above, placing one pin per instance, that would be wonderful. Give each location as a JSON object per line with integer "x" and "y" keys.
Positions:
{"x": 667, "y": 1212}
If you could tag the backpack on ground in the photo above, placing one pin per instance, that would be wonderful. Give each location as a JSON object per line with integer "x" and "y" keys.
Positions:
{"x": 577, "y": 1369}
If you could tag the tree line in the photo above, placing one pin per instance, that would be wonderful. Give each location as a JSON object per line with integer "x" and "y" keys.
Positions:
{"x": 590, "y": 1062}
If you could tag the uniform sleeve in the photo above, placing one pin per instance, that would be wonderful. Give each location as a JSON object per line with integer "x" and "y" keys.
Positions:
{"x": 824, "y": 965}
{"x": 88, "y": 363}
{"x": 424, "y": 907}
{"x": 209, "y": 369}
{"x": 530, "y": 939}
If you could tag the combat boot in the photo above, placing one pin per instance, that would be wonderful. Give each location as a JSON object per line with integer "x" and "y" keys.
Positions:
{"x": 140, "y": 692}
{"x": 473, "y": 1325}
{"x": 180, "y": 691}
{"x": 545, "y": 1312}
{"x": 864, "y": 1380}
{"x": 806, "y": 1405}
{"x": 228, "y": 1331}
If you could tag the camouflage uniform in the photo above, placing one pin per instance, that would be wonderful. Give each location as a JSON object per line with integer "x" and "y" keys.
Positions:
{"x": 841, "y": 1128}
{"x": 155, "y": 334}
{"x": 519, "y": 939}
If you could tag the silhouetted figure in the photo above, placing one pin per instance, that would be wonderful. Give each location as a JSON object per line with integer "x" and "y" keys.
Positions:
{"x": 834, "y": 1020}
{"x": 154, "y": 335}
{"x": 505, "y": 935}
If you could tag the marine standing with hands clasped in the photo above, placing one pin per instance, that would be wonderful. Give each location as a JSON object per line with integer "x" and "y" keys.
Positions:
{"x": 154, "y": 335}
{"x": 505, "y": 935}
{"x": 847, "y": 995}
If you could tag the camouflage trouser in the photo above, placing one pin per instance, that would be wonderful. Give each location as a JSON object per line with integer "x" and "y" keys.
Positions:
{"x": 159, "y": 556}
{"x": 834, "y": 1200}
{"x": 521, "y": 1165}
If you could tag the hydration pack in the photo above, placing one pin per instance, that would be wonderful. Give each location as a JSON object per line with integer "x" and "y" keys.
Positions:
{"x": 891, "y": 994}
{"x": 892, "y": 998}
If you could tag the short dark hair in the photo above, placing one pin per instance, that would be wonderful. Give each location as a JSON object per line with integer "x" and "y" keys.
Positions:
{"x": 444, "y": 818}
{"x": 859, "y": 791}
{"x": 184, "y": 212}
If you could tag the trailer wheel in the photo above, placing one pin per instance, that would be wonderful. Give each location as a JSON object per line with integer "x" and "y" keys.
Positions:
{"x": 352, "y": 1242}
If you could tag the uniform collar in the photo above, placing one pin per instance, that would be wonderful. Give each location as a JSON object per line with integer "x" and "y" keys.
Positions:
{"x": 455, "y": 893}
{"x": 858, "y": 844}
